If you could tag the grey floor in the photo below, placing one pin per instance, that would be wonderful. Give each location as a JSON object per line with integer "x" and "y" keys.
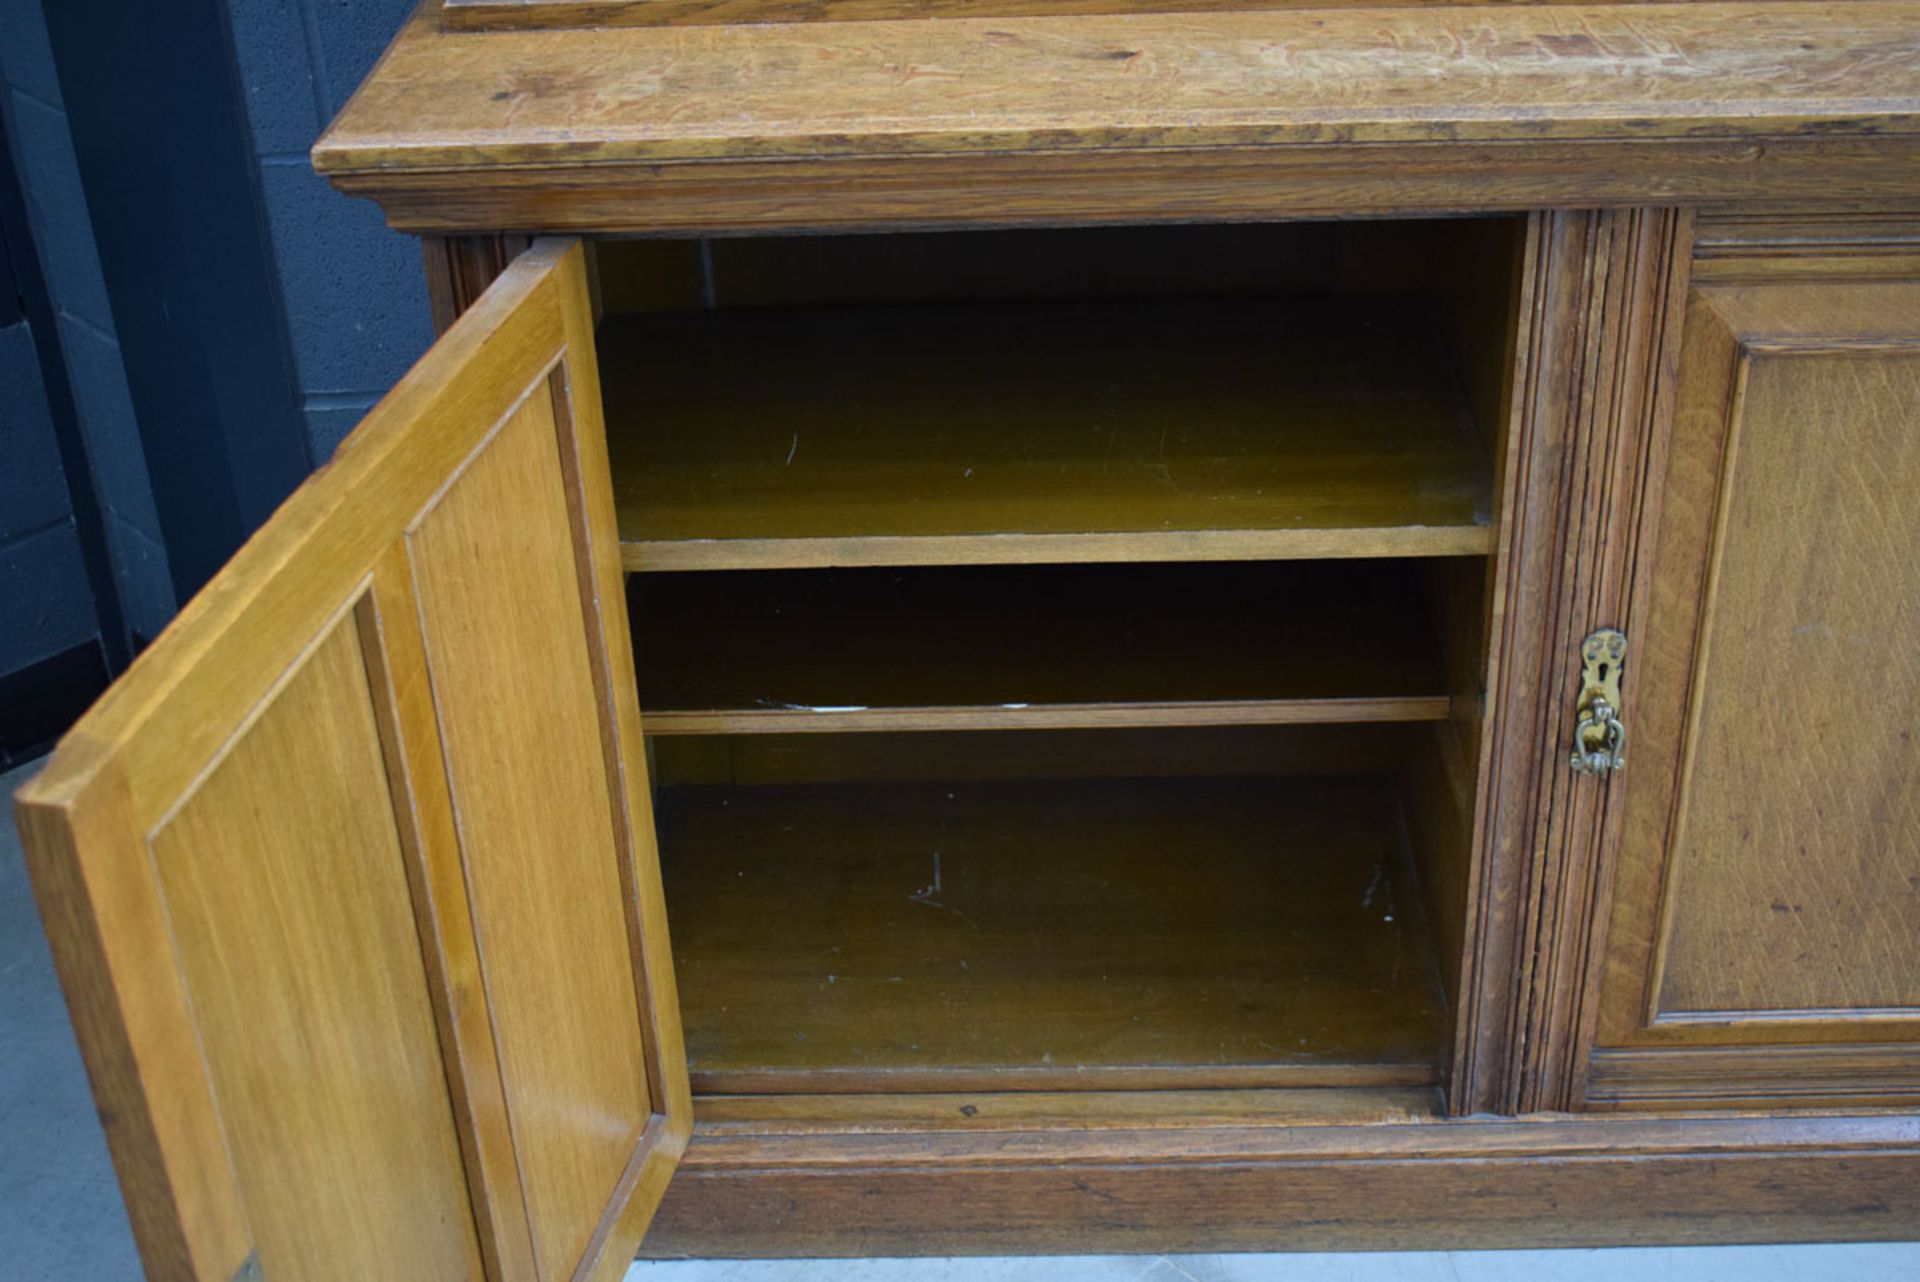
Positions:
{"x": 61, "y": 1218}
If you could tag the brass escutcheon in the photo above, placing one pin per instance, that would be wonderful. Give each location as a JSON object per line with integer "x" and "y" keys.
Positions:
{"x": 1599, "y": 738}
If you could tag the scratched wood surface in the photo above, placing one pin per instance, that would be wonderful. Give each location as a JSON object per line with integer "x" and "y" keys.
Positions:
{"x": 1048, "y": 935}
{"x": 1473, "y": 1182}
{"x": 1144, "y": 117}
{"x": 1343, "y": 76}
{"x": 499, "y": 15}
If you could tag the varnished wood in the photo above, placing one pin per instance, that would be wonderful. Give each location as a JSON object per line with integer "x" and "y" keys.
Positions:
{"x": 282, "y": 878}
{"x": 1155, "y": 116}
{"x": 1596, "y": 295}
{"x": 1443, "y": 263}
{"x": 1551, "y": 1181}
{"x": 1636, "y": 277}
{"x": 1817, "y": 244}
{"x": 134, "y": 1026}
{"x": 1149, "y": 431}
{"x": 919, "y": 1112}
{"x": 459, "y": 268}
{"x": 1027, "y": 935}
{"x": 1851, "y": 1075}
{"x": 1764, "y": 902}
{"x": 240, "y": 856}
{"x": 1132, "y": 186}
{"x": 1437, "y": 794}
{"x": 509, "y": 15}
{"x": 559, "y": 982}
{"x": 397, "y": 671}
{"x": 1768, "y": 149}
{"x": 871, "y": 650}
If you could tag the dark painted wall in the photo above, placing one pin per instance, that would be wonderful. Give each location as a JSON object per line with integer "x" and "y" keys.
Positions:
{"x": 83, "y": 573}
{"x": 46, "y": 595}
{"x": 216, "y": 317}
{"x": 355, "y": 299}
{"x": 58, "y": 236}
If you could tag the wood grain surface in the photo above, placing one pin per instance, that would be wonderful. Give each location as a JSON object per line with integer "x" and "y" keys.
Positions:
{"x": 1342, "y": 76}
{"x": 353, "y": 1002}
{"x": 1587, "y": 427}
{"x": 922, "y": 1112}
{"x": 1767, "y": 894}
{"x": 1048, "y": 935}
{"x": 778, "y": 437}
{"x": 1480, "y": 1182}
{"x": 1154, "y": 117}
{"x": 284, "y": 884}
{"x": 506, "y": 15}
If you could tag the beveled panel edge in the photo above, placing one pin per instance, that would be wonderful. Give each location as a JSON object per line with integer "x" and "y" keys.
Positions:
{"x": 410, "y": 740}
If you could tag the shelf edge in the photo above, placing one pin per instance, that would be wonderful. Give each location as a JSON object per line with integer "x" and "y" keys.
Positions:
{"x": 659, "y": 555}
{"x": 1048, "y": 716}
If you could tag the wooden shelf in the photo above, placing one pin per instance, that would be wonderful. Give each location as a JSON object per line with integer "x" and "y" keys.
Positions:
{"x": 1039, "y": 432}
{"x": 1052, "y": 935}
{"x": 1034, "y": 647}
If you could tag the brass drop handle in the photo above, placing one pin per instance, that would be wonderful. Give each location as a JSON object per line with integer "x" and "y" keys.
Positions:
{"x": 1599, "y": 738}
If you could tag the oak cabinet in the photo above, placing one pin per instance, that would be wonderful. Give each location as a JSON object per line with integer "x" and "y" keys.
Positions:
{"x": 1765, "y": 938}
{"x": 914, "y": 680}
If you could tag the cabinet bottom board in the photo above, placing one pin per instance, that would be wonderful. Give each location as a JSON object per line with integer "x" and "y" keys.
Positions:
{"x": 1049, "y": 935}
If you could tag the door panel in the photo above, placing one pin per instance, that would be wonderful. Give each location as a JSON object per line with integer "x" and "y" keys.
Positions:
{"x": 1797, "y": 837}
{"x": 351, "y": 879}
{"x": 519, "y": 757}
{"x": 1765, "y": 936}
{"x": 305, "y": 975}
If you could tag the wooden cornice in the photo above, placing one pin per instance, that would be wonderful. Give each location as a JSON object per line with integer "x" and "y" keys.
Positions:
{"x": 1269, "y": 112}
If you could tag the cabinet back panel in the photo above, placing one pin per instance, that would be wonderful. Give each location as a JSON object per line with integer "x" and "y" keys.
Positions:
{"x": 1007, "y": 647}
{"x": 1200, "y": 260}
{"x": 1031, "y": 754}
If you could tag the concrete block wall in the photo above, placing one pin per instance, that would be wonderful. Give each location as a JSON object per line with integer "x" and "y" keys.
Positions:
{"x": 46, "y": 600}
{"x": 354, "y": 294}
{"x": 40, "y": 568}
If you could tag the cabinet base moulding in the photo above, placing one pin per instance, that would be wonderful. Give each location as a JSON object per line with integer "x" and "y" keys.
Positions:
{"x": 1544, "y": 1182}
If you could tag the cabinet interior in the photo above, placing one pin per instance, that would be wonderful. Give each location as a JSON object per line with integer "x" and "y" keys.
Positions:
{"x": 1060, "y": 649}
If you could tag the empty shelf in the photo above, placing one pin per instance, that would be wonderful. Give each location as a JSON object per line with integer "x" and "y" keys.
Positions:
{"x": 1039, "y": 432}
{"x": 975, "y": 648}
{"x": 1049, "y": 935}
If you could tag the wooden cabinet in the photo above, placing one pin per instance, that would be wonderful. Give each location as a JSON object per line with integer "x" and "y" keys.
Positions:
{"x": 1070, "y": 609}
{"x": 1765, "y": 939}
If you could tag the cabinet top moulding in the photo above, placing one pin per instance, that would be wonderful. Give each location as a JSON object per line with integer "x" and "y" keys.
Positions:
{"x": 506, "y": 15}
{"x": 1269, "y": 113}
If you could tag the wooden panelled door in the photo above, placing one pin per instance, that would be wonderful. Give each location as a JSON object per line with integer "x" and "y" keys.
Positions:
{"x": 1764, "y": 945}
{"x": 351, "y": 879}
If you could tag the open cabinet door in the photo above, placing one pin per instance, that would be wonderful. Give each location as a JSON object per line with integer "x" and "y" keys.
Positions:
{"x": 351, "y": 879}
